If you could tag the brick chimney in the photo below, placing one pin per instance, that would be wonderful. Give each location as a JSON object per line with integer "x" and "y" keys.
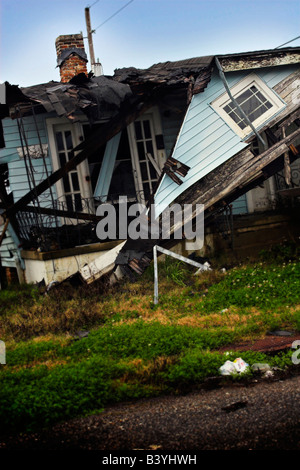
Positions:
{"x": 71, "y": 56}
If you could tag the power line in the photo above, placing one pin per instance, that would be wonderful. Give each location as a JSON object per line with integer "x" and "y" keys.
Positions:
{"x": 118, "y": 11}
{"x": 287, "y": 42}
{"x": 90, "y": 6}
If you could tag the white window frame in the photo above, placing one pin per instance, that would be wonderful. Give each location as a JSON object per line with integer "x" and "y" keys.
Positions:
{"x": 252, "y": 79}
{"x": 159, "y": 156}
{"x": 57, "y": 124}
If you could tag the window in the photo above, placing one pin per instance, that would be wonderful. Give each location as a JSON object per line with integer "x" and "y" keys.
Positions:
{"x": 64, "y": 146}
{"x": 255, "y": 98}
{"x": 74, "y": 189}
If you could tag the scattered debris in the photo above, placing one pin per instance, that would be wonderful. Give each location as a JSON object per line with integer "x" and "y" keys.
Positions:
{"x": 238, "y": 366}
{"x": 81, "y": 334}
{"x": 261, "y": 367}
{"x": 281, "y": 333}
{"x": 235, "y": 406}
{"x": 205, "y": 267}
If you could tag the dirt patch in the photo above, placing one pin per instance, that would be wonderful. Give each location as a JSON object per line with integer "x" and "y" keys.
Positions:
{"x": 271, "y": 342}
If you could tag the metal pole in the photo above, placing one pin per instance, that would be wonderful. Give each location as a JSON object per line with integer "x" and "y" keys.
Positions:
{"x": 89, "y": 34}
{"x": 156, "y": 248}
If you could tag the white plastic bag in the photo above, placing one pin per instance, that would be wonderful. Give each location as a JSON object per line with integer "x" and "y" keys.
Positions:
{"x": 238, "y": 366}
{"x": 228, "y": 368}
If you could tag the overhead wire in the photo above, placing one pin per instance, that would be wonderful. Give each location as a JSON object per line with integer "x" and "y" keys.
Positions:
{"x": 113, "y": 15}
{"x": 287, "y": 42}
{"x": 90, "y": 6}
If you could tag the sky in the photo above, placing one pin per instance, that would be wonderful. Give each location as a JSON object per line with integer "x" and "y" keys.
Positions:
{"x": 138, "y": 33}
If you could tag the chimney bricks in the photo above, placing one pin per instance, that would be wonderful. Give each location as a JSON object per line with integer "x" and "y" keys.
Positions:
{"x": 71, "y": 56}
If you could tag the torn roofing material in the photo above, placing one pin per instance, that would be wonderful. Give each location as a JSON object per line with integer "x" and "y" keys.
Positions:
{"x": 101, "y": 97}
{"x": 69, "y": 51}
{"x": 97, "y": 97}
{"x": 195, "y": 70}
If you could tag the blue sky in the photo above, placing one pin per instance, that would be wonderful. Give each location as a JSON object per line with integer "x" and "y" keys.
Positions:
{"x": 143, "y": 33}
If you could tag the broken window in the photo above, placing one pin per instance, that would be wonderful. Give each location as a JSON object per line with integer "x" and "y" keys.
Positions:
{"x": 254, "y": 98}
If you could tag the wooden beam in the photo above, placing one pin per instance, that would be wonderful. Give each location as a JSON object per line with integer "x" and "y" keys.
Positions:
{"x": 3, "y": 231}
{"x": 233, "y": 173}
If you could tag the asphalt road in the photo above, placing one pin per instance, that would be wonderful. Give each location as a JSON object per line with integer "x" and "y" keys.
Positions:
{"x": 263, "y": 415}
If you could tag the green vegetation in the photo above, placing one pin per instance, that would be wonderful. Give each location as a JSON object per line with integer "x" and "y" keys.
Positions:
{"x": 134, "y": 348}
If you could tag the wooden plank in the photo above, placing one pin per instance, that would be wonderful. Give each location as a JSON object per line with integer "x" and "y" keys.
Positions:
{"x": 3, "y": 231}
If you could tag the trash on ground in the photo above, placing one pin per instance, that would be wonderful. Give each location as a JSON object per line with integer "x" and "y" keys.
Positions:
{"x": 260, "y": 367}
{"x": 280, "y": 333}
{"x": 237, "y": 366}
{"x": 235, "y": 406}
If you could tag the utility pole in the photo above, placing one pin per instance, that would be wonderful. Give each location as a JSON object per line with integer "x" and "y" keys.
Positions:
{"x": 89, "y": 35}
{"x": 95, "y": 66}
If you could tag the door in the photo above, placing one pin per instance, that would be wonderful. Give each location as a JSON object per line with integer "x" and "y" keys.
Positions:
{"x": 147, "y": 152}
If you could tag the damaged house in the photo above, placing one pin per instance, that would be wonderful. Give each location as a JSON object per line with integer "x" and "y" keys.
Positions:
{"x": 222, "y": 131}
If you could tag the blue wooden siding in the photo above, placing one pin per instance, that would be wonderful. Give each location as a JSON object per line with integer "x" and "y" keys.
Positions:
{"x": 18, "y": 179}
{"x": 9, "y": 250}
{"x": 205, "y": 141}
{"x": 171, "y": 121}
{"x": 240, "y": 206}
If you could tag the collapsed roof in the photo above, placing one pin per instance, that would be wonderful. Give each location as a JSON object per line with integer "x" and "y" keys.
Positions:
{"x": 97, "y": 97}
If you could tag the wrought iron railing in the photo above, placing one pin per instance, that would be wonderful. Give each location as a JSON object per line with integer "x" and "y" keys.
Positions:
{"x": 64, "y": 227}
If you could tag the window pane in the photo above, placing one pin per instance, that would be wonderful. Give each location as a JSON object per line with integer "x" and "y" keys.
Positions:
{"x": 244, "y": 96}
{"x": 149, "y": 147}
{"x": 138, "y": 130}
{"x": 141, "y": 150}
{"x": 250, "y": 105}
{"x": 242, "y": 124}
{"x": 62, "y": 159}
{"x": 59, "y": 141}
{"x": 257, "y": 112}
{"x": 78, "y": 203}
{"x": 147, "y": 130}
{"x": 75, "y": 181}
{"x": 66, "y": 181}
{"x": 153, "y": 173}
{"x": 147, "y": 191}
{"x": 68, "y": 137}
{"x": 144, "y": 171}
{"x": 69, "y": 202}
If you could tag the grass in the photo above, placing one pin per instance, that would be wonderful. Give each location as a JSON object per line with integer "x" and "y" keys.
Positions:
{"x": 135, "y": 348}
